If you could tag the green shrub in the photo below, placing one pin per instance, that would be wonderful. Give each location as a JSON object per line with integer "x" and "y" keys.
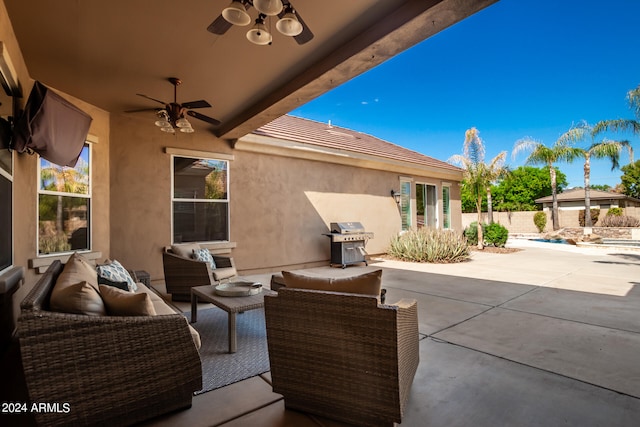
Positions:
{"x": 619, "y": 221}
{"x": 595, "y": 213}
{"x": 540, "y": 220}
{"x": 471, "y": 232}
{"x": 496, "y": 234}
{"x": 429, "y": 245}
{"x": 615, "y": 212}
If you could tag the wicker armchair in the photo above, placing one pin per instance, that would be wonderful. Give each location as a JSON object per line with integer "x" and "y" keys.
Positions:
{"x": 342, "y": 356}
{"x": 110, "y": 370}
{"x": 181, "y": 274}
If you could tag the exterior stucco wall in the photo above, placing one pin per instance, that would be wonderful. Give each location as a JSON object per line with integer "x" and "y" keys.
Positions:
{"x": 279, "y": 206}
{"x": 141, "y": 188}
{"x": 25, "y": 175}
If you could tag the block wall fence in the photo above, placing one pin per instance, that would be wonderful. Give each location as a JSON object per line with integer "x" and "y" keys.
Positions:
{"x": 522, "y": 222}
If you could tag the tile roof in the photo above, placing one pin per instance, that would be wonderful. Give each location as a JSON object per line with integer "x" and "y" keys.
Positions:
{"x": 297, "y": 129}
{"x": 577, "y": 194}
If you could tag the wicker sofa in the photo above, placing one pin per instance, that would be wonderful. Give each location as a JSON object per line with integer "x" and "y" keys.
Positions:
{"x": 106, "y": 370}
{"x": 343, "y": 356}
{"x": 181, "y": 272}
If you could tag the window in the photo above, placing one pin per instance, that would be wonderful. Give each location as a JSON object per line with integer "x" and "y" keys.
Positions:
{"x": 446, "y": 206}
{"x": 6, "y": 209}
{"x": 405, "y": 204}
{"x": 200, "y": 200}
{"x": 64, "y": 206}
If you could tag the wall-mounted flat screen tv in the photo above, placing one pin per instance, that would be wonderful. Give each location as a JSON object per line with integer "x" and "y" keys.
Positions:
{"x": 52, "y": 127}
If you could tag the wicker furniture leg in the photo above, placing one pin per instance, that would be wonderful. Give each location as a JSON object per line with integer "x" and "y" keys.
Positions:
{"x": 194, "y": 308}
{"x": 233, "y": 338}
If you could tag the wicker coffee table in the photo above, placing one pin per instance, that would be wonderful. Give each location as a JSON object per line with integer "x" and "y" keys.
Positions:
{"x": 232, "y": 305}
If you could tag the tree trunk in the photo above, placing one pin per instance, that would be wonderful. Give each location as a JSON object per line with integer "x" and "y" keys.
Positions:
{"x": 489, "y": 207}
{"x": 554, "y": 196}
{"x": 587, "y": 192}
{"x": 479, "y": 229}
{"x": 59, "y": 212}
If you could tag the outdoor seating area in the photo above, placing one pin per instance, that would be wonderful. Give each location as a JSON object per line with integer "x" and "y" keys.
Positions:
{"x": 524, "y": 346}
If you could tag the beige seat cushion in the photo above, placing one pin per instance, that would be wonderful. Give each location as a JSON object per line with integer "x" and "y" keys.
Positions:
{"x": 224, "y": 273}
{"x": 161, "y": 307}
{"x": 76, "y": 289}
{"x": 367, "y": 283}
{"x": 185, "y": 250}
{"x": 125, "y": 303}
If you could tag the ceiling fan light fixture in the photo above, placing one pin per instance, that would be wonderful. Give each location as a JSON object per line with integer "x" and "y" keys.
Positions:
{"x": 163, "y": 119}
{"x": 236, "y": 14}
{"x": 268, "y": 7}
{"x": 289, "y": 24}
{"x": 259, "y": 34}
{"x": 182, "y": 123}
{"x": 168, "y": 129}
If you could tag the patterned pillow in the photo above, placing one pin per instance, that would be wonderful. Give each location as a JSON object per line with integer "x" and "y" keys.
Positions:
{"x": 203, "y": 255}
{"x": 115, "y": 272}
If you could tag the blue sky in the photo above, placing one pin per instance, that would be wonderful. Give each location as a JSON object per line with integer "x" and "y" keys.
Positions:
{"x": 519, "y": 68}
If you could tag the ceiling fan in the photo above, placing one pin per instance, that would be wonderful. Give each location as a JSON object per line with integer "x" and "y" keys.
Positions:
{"x": 172, "y": 115}
{"x": 290, "y": 23}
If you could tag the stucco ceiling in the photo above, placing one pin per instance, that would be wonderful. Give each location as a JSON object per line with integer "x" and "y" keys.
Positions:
{"x": 104, "y": 52}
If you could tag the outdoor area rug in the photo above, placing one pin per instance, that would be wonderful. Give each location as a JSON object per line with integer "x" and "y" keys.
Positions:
{"x": 219, "y": 368}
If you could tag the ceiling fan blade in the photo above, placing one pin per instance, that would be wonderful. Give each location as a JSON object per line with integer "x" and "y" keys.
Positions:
{"x": 219, "y": 25}
{"x": 202, "y": 117}
{"x": 306, "y": 34}
{"x": 152, "y": 99}
{"x": 196, "y": 104}
{"x": 140, "y": 110}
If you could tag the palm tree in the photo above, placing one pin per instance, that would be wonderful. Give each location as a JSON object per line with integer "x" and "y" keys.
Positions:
{"x": 562, "y": 150}
{"x": 64, "y": 180}
{"x": 623, "y": 125}
{"x": 600, "y": 150}
{"x": 478, "y": 175}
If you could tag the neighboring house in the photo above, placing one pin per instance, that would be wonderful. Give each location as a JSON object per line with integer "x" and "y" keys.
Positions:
{"x": 574, "y": 200}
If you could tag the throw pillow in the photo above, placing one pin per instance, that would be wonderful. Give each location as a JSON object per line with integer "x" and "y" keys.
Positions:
{"x": 114, "y": 271}
{"x": 203, "y": 255}
{"x": 367, "y": 283}
{"x": 79, "y": 298}
{"x": 76, "y": 270}
{"x": 124, "y": 303}
{"x": 120, "y": 285}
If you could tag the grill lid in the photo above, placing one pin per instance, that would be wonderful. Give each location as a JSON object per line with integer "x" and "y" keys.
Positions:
{"x": 347, "y": 227}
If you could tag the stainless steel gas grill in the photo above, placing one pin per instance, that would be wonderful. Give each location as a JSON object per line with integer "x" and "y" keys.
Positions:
{"x": 348, "y": 240}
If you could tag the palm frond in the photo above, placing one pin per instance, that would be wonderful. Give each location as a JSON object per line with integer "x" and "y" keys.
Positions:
{"x": 633, "y": 96}
{"x": 617, "y": 125}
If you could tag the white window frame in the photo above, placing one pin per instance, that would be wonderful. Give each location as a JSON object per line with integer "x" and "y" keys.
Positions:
{"x": 446, "y": 217}
{"x": 56, "y": 193}
{"x": 197, "y": 155}
{"x": 407, "y": 200}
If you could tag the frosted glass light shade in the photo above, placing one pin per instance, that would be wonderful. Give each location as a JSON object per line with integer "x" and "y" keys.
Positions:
{"x": 289, "y": 25}
{"x": 259, "y": 35}
{"x": 182, "y": 123}
{"x": 268, "y": 7}
{"x": 236, "y": 14}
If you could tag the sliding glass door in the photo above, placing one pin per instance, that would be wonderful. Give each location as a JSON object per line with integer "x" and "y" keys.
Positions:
{"x": 426, "y": 205}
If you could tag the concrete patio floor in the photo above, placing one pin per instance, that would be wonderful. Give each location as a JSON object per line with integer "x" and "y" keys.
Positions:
{"x": 546, "y": 336}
